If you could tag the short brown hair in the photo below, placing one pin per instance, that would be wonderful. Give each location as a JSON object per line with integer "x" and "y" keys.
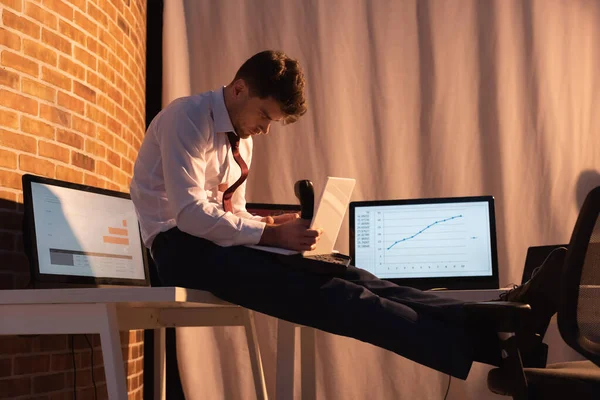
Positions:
{"x": 273, "y": 74}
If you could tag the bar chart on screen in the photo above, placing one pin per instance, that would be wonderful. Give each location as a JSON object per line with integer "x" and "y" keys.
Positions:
{"x": 121, "y": 234}
{"x": 425, "y": 240}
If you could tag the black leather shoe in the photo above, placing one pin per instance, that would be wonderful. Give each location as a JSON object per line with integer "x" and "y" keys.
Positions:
{"x": 541, "y": 292}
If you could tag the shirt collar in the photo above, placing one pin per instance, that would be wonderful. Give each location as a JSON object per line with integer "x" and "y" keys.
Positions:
{"x": 220, "y": 114}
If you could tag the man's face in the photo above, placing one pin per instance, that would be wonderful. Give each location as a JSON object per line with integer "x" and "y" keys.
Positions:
{"x": 251, "y": 115}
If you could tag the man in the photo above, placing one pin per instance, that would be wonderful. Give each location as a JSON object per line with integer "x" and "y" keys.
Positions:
{"x": 188, "y": 189}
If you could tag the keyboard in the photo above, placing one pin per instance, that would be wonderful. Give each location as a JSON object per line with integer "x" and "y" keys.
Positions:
{"x": 334, "y": 258}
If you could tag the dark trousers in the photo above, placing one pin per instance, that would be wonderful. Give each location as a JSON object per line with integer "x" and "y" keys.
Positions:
{"x": 420, "y": 326}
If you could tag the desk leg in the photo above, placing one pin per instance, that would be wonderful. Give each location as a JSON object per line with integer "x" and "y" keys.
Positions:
{"x": 307, "y": 359}
{"x": 255, "y": 360}
{"x": 111, "y": 352}
{"x": 286, "y": 346}
{"x": 160, "y": 364}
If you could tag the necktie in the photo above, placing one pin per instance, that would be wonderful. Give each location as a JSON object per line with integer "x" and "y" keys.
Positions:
{"x": 235, "y": 150}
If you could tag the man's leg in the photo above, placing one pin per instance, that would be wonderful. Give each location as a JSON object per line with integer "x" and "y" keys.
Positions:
{"x": 484, "y": 342}
{"x": 417, "y": 325}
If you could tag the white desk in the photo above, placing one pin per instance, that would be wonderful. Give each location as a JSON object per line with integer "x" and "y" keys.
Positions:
{"x": 109, "y": 310}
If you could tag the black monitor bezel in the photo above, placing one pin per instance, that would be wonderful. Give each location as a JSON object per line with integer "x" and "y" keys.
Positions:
{"x": 454, "y": 283}
{"x": 274, "y": 206}
{"x": 29, "y": 235}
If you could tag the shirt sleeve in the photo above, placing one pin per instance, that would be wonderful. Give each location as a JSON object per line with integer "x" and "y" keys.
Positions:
{"x": 239, "y": 205}
{"x": 182, "y": 150}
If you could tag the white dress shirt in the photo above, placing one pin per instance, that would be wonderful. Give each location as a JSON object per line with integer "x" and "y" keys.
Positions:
{"x": 184, "y": 159}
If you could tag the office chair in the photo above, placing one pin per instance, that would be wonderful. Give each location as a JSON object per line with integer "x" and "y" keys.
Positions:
{"x": 578, "y": 323}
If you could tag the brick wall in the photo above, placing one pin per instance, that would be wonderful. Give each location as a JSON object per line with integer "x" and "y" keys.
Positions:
{"x": 72, "y": 98}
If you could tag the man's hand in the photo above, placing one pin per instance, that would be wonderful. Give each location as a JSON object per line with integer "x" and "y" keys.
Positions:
{"x": 280, "y": 219}
{"x": 283, "y": 218}
{"x": 293, "y": 234}
{"x": 268, "y": 220}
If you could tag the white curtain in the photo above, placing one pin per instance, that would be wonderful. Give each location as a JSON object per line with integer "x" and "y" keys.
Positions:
{"x": 413, "y": 98}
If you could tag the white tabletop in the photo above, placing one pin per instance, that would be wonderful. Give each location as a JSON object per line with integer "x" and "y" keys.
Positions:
{"x": 130, "y": 296}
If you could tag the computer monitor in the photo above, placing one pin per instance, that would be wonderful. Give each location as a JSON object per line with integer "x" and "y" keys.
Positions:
{"x": 78, "y": 235}
{"x": 536, "y": 255}
{"x": 427, "y": 243}
{"x": 267, "y": 209}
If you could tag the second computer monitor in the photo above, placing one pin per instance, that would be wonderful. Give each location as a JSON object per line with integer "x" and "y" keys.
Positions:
{"x": 427, "y": 243}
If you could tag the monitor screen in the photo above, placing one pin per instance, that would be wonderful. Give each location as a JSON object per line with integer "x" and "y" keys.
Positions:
{"x": 427, "y": 243}
{"x": 90, "y": 235}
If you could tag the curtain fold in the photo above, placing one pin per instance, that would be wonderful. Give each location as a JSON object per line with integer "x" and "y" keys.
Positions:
{"x": 412, "y": 98}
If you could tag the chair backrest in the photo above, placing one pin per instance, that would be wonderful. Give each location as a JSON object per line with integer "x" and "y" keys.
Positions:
{"x": 579, "y": 309}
